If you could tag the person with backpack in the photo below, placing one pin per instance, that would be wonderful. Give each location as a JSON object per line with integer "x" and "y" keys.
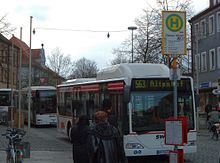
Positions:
{"x": 79, "y": 139}
{"x": 106, "y": 145}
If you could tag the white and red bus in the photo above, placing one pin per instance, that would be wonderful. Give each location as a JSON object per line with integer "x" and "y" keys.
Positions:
{"x": 43, "y": 103}
{"x": 8, "y": 98}
{"x": 142, "y": 99}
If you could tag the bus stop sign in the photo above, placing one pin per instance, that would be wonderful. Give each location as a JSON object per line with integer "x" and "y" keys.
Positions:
{"x": 173, "y": 32}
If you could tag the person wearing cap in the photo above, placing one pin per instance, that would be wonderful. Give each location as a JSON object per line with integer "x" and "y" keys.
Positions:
{"x": 106, "y": 145}
{"x": 107, "y": 107}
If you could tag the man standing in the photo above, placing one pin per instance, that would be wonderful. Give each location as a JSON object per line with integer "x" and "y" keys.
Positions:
{"x": 208, "y": 108}
{"x": 79, "y": 139}
{"x": 107, "y": 107}
{"x": 105, "y": 142}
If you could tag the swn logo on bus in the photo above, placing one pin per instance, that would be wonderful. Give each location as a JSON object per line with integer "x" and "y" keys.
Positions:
{"x": 160, "y": 136}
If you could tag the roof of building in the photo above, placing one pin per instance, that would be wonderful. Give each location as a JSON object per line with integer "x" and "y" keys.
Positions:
{"x": 35, "y": 53}
{"x": 4, "y": 39}
{"x": 195, "y": 17}
{"x": 25, "y": 48}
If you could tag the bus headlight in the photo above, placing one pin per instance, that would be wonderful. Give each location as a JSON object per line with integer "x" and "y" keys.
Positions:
{"x": 134, "y": 146}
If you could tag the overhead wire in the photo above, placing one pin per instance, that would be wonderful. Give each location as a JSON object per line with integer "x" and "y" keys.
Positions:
{"x": 79, "y": 30}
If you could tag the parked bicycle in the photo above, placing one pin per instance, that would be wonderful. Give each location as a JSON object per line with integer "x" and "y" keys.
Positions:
{"x": 14, "y": 150}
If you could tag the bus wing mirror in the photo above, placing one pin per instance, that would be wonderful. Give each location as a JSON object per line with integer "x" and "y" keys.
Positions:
{"x": 126, "y": 94}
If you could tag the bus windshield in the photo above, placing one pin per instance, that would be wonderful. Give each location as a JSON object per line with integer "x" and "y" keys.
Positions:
{"x": 5, "y": 98}
{"x": 151, "y": 109}
{"x": 45, "y": 101}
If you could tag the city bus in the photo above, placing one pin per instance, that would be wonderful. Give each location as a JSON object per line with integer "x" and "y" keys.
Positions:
{"x": 43, "y": 105}
{"x": 142, "y": 99}
{"x": 6, "y": 101}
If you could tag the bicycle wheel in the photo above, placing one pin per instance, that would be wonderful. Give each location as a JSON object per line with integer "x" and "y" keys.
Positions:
{"x": 9, "y": 160}
{"x": 18, "y": 158}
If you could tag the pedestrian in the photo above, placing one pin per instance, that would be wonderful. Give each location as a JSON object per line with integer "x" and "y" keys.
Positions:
{"x": 79, "y": 139}
{"x": 213, "y": 116}
{"x": 107, "y": 107}
{"x": 208, "y": 108}
{"x": 106, "y": 145}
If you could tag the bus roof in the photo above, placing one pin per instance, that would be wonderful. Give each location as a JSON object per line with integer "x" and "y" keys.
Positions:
{"x": 123, "y": 71}
{"x": 40, "y": 88}
{"x": 133, "y": 70}
{"x": 7, "y": 89}
{"x": 79, "y": 80}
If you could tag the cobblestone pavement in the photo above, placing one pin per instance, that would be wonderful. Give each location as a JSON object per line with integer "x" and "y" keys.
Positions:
{"x": 47, "y": 146}
{"x": 208, "y": 150}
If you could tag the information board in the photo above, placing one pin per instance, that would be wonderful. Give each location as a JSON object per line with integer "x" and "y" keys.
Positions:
{"x": 173, "y": 32}
{"x": 174, "y": 132}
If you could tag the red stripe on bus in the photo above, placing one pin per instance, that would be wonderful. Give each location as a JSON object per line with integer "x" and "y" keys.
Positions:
{"x": 64, "y": 89}
{"x": 116, "y": 86}
{"x": 90, "y": 87}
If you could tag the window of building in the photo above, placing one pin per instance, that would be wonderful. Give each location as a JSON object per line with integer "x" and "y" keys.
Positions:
{"x": 198, "y": 62}
{"x": 218, "y": 57}
{"x": 1, "y": 74}
{"x": 214, "y": 2}
{"x": 218, "y": 21}
{"x": 203, "y": 62}
{"x": 203, "y": 28}
{"x": 196, "y": 29}
{"x": 211, "y": 25}
{"x": 1, "y": 56}
{"x": 212, "y": 59}
{"x": 4, "y": 76}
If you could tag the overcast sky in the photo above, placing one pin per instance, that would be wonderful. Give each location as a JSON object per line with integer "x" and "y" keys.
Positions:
{"x": 85, "y": 24}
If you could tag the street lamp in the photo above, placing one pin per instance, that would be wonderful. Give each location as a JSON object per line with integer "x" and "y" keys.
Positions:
{"x": 29, "y": 90}
{"x": 132, "y": 28}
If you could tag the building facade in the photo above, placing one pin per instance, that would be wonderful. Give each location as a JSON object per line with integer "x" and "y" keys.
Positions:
{"x": 205, "y": 42}
{"x": 8, "y": 63}
{"x": 40, "y": 74}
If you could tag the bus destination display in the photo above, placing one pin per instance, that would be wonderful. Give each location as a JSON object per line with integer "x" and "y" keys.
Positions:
{"x": 157, "y": 84}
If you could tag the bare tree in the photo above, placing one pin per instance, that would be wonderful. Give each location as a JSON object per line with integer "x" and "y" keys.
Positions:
{"x": 59, "y": 63}
{"x": 84, "y": 68}
{"x": 5, "y": 27}
{"x": 148, "y": 37}
{"x": 148, "y": 40}
{"x": 122, "y": 55}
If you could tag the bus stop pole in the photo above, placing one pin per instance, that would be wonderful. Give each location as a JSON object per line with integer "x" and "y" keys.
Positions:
{"x": 19, "y": 100}
{"x": 12, "y": 82}
{"x": 175, "y": 86}
{"x": 174, "y": 67}
{"x": 29, "y": 89}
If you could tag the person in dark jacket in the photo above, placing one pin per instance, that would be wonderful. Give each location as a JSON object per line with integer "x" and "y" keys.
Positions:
{"x": 79, "y": 139}
{"x": 208, "y": 109}
{"x": 106, "y": 145}
{"x": 107, "y": 107}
